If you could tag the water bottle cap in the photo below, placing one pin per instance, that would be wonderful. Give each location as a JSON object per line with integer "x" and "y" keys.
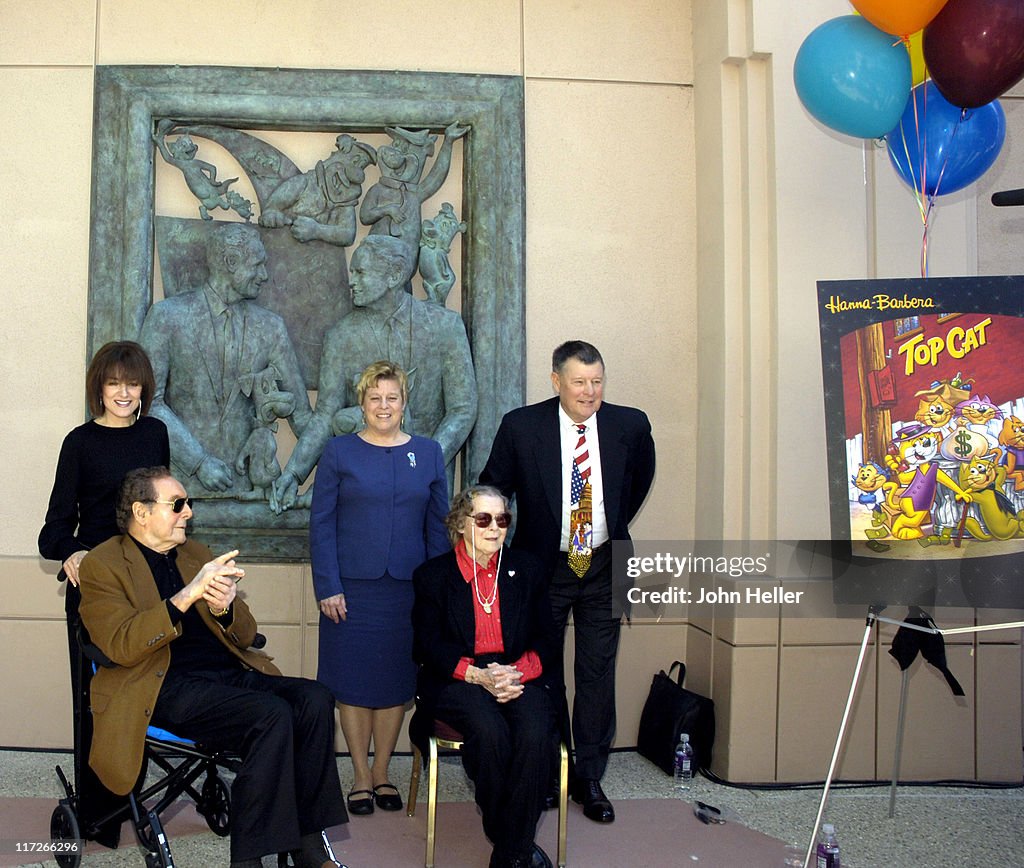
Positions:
{"x": 684, "y": 737}
{"x": 828, "y": 828}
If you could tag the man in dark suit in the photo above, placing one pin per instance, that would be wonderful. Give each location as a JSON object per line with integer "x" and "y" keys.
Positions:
{"x": 183, "y": 663}
{"x": 579, "y": 469}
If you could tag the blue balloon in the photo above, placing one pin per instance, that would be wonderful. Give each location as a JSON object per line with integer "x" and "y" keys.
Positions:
{"x": 939, "y": 148}
{"x": 853, "y": 77}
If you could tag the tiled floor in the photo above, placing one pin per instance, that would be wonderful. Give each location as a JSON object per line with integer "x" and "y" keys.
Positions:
{"x": 933, "y": 827}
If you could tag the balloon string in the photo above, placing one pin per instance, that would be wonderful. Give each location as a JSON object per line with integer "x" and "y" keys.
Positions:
{"x": 923, "y": 208}
{"x": 949, "y": 150}
{"x": 909, "y": 164}
{"x": 910, "y": 167}
{"x": 924, "y": 239}
{"x": 917, "y": 173}
{"x": 922, "y": 196}
{"x": 935, "y": 192}
{"x": 922, "y": 150}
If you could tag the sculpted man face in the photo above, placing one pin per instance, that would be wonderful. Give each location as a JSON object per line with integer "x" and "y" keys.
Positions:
{"x": 237, "y": 261}
{"x": 380, "y": 264}
{"x": 577, "y": 377}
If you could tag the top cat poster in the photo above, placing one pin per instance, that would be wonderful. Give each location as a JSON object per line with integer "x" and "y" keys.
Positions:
{"x": 924, "y": 401}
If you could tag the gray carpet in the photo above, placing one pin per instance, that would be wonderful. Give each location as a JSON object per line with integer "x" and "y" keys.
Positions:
{"x": 933, "y": 827}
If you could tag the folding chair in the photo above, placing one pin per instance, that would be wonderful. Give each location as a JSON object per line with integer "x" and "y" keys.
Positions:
{"x": 445, "y": 737}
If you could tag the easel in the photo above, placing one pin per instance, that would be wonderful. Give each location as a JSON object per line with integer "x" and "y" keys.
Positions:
{"x": 874, "y": 616}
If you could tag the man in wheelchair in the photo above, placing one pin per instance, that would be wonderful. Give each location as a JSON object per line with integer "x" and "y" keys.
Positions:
{"x": 183, "y": 663}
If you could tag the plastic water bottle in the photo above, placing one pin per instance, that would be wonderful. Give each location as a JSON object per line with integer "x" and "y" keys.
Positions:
{"x": 828, "y": 847}
{"x": 683, "y": 763}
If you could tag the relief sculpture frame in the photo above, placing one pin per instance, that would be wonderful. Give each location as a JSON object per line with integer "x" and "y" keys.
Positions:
{"x": 130, "y": 102}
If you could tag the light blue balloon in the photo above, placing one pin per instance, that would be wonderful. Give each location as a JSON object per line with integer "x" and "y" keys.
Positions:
{"x": 853, "y": 77}
{"x": 939, "y": 148}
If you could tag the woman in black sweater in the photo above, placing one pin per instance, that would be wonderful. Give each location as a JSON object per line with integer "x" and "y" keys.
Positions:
{"x": 93, "y": 460}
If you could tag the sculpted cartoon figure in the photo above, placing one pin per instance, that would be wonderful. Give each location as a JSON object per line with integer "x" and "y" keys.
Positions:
{"x": 392, "y": 205}
{"x": 258, "y": 457}
{"x": 984, "y": 478}
{"x": 200, "y": 176}
{"x": 435, "y": 243}
{"x": 918, "y": 449}
{"x": 321, "y": 204}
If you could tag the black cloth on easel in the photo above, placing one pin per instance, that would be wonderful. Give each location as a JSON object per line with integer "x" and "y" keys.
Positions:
{"x": 907, "y": 642}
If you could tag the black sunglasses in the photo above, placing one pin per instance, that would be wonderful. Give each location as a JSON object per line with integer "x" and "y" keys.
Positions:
{"x": 484, "y": 519}
{"x": 176, "y": 505}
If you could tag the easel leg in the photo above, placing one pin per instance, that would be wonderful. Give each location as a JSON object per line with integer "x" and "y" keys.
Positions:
{"x": 899, "y": 742}
{"x": 839, "y": 738}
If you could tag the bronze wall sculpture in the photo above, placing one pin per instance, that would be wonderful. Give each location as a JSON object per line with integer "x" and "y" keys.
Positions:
{"x": 257, "y": 302}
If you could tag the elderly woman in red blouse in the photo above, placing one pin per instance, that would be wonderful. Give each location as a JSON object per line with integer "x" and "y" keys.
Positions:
{"x": 483, "y": 637}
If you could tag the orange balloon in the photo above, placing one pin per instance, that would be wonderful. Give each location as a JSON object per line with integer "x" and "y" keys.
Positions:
{"x": 899, "y": 17}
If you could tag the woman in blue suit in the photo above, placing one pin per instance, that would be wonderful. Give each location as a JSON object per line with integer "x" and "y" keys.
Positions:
{"x": 379, "y": 503}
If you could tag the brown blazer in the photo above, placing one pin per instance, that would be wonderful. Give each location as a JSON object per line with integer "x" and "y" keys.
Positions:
{"x": 126, "y": 619}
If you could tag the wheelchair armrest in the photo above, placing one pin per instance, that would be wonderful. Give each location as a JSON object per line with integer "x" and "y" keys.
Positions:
{"x": 90, "y": 651}
{"x": 93, "y": 653}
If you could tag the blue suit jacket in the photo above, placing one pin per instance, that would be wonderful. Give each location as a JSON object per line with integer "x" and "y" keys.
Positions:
{"x": 376, "y": 510}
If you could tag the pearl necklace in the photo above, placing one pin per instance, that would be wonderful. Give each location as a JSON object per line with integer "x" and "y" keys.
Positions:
{"x": 489, "y": 602}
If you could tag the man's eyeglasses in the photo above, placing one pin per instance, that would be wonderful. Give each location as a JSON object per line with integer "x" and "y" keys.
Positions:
{"x": 176, "y": 505}
{"x": 484, "y": 519}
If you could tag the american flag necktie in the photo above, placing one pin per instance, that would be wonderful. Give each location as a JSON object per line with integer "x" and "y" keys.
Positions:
{"x": 581, "y": 518}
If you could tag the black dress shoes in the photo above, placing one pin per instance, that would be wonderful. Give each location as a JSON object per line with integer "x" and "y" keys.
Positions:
{"x": 537, "y": 859}
{"x": 595, "y": 803}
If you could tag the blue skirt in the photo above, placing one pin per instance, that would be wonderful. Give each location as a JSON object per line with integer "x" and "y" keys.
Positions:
{"x": 366, "y": 660}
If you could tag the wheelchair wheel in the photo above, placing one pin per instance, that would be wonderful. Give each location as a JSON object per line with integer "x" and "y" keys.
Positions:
{"x": 215, "y": 805}
{"x": 64, "y": 831}
{"x": 155, "y": 860}
{"x": 153, "y": 845}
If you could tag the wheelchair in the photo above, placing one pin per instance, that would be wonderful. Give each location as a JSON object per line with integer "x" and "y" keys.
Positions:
{"x": 182, "y": 763}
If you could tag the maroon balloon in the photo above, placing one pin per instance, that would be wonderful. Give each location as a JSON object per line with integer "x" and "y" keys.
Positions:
{"x": 974, "y": 50}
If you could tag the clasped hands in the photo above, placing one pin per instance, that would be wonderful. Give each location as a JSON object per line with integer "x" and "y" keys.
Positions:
{"x": 216, "y": 583}
{"x": 502, "y": 681}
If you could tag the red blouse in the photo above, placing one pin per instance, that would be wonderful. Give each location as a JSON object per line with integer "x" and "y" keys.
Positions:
{"x": 488, "y": 626}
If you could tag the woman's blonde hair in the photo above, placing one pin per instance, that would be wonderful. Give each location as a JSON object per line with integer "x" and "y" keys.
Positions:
{"x": 382, "y": 370}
